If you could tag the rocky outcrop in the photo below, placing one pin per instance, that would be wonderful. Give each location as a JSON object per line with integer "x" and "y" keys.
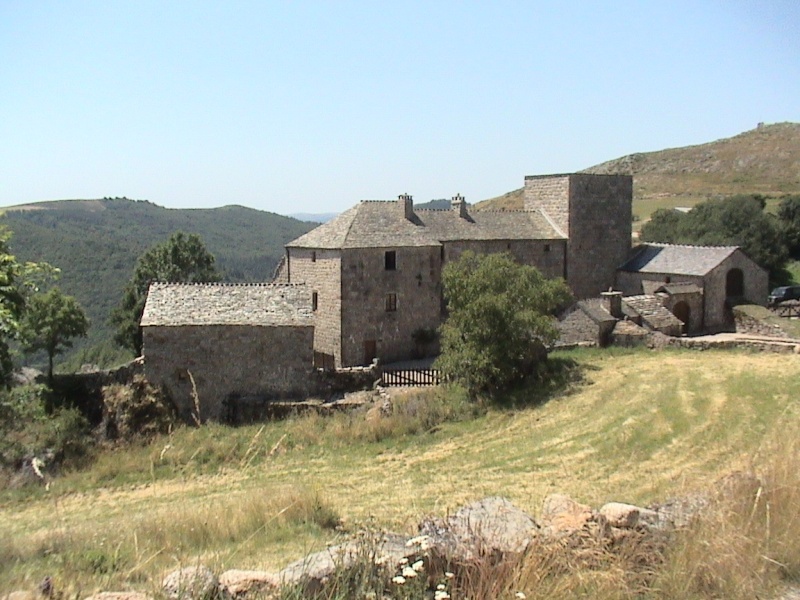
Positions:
{"x": 489, "y": 528}
{"x": 191, "y": 583}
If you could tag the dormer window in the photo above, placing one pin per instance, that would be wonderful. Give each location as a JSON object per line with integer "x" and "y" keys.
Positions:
{"x": 390, "y": 260}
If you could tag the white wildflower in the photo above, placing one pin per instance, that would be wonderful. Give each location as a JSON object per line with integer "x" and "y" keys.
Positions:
{"x": 418, "y": 566}
{"x": 449, "y": 575}
{"x": 409, "y": 573}
{"x": 404, "y": 561}
{"x": 440, "y": 595}
{"x": 423, "y": 541}
{"x": 441, "y": 586}
{"x": 398, "y": 579}
{"x": 520, "y": 595}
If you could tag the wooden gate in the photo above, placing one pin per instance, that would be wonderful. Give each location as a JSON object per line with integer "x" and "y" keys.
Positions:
{"x": 410, "y": 377}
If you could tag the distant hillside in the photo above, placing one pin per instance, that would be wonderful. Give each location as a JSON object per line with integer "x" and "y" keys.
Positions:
{"x": 313, "y": 217}
{"x": 95, "y": 243}
{"x": 763, "y": 160}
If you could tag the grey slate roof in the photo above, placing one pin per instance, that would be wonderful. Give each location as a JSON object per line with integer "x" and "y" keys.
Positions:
{"x": 680, "y": 287}
{"x": 382, "y": 224}
{"x": 260, "y": 304}
{"x": 594, "y": 309}
{"x": 677, "y": 259}
{"x": 652, "y": 311}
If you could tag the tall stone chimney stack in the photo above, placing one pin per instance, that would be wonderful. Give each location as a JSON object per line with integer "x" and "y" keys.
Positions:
{"x": 406, "y": 205}
{"x": 458, "y": 204}
{"x": 612, "y": 302}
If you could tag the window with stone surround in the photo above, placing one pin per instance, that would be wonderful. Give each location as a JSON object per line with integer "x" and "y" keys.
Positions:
{"x": 391, "y": 302}
{"x": 390, "y": 260}
{"x": 314, "y": 301}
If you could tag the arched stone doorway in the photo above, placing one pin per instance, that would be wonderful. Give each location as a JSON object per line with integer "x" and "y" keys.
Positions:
{"x": 682, "y": 312}
{"x": 734, "y": 284}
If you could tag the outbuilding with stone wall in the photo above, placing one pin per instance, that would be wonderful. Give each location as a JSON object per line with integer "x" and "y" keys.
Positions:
{"x": 223, "y": 342}
{"x": 725, "y": 275}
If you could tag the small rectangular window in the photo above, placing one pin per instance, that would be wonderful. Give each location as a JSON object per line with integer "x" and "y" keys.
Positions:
{"x": 314, "y": 300}
{"x": 390, "y": 260}
{"x": 391, "y": 302}
{"x": 547, "y": 247}
{"x": 314, "y": 256}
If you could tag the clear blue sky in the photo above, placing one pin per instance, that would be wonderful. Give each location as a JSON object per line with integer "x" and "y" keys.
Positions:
{"x": 312, "y": 106}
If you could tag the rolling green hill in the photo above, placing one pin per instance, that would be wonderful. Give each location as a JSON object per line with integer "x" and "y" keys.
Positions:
{"x": 95, "y": 243}
{"x": 764, "y": 160}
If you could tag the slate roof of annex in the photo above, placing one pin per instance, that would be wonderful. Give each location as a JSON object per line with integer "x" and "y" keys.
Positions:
{"x": 382, "y": 224}
{"x": 594, "y": 309}
{"x": 677, "y": 259}
{"x": 680, "y": 287}
{"x": 652, "y": 311}
{"x": 260, "y": 304}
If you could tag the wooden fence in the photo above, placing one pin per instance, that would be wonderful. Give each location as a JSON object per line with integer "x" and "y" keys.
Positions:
{"x": 410, "y": 377}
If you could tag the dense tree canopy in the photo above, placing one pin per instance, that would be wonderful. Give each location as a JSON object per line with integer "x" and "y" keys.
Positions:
{"x": 181, "y": 259}
{"x": 499, "y": 320}
{"x": 735, "y": 221}
{"x": 51, "y": 321}
{"x": 789, "y": 215}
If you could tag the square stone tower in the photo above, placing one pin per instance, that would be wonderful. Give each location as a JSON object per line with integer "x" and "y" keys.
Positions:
{"x": 594, "y": 213}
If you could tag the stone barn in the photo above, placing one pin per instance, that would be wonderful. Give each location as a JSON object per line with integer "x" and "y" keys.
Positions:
{"x": 226, "y": 342}
{"x": 691, "y": 279}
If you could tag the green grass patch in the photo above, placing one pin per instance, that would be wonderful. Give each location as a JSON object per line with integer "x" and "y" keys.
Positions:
{"x": 625, "y": 425}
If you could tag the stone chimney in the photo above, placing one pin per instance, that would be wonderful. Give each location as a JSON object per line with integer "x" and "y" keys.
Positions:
{"x": 458, "y": 204}
{"x": 406, "y": 205}
{"x": 612, "y": 302}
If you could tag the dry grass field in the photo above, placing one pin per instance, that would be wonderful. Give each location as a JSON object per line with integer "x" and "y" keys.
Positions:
{"x": 636, "y": 426}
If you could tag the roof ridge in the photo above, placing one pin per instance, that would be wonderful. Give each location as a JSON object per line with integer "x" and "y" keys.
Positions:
{"x": 508, "y": 210}
{"x": 663, "y": 244}
{"x": 227, "y": 284}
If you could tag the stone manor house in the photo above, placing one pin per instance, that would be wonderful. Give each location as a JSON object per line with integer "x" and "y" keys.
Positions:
{"x": 358, "y": 287}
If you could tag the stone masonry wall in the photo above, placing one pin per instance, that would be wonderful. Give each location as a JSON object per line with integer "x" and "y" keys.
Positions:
{"x": 366, "y": 285}
{"x": 695, "y": 303}
{"x": 599, "y": 231}
{"x": 226, "y": 361}
{"x": 551, "y": 194}
{"x": 755, "y": 289}
{"x": 546, "y": 255}
{"x": 321, "y": 269}
{"x": 594, "y": 212}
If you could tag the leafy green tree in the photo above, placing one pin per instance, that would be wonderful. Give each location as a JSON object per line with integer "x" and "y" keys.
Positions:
{"x": 181, "y": 259}
{"x": 17, "y": 281}
{"x": 664, "y": 226}
{"x": 735, "y": 221}
{"x": 499, "y": 321}
{"x": 50, "y": 323}
{"x": 789, "y": 215}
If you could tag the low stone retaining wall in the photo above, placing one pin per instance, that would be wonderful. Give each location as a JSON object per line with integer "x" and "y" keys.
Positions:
{"x": 84, "y": 391}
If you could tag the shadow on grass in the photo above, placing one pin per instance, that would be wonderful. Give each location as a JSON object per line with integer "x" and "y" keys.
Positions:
{"x": 555, "y": 377}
